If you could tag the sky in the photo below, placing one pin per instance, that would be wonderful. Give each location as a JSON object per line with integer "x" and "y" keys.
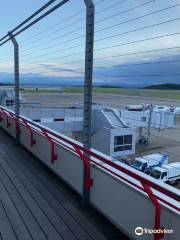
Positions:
{"x": 55, "y": 46}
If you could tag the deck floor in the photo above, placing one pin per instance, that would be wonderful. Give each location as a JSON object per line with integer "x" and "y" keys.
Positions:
{"x": 36, "y": 204}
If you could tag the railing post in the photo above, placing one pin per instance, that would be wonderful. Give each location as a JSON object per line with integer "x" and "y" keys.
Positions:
{"x": 150, "y": 121}
{"x": 16, "y": 83}
{"x": 88, "y": 87}
{"x": 157, "y": 225}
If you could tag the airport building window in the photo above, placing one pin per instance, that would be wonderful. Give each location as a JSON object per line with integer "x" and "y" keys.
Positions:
{"x": 122, "y": 143}
{"x": 143, "y": 119}
{"x": 9, "y": 102}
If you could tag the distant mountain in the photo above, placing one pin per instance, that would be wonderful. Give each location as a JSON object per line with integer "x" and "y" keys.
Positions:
{"x": 167, "y": 86}
{"x": 31, "y": 79}
{"x": 5, "y": 84}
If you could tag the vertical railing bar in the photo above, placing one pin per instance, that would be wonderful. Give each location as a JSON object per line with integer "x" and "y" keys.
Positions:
{"x": 16, "y": 83}
{"x": 90, "y": 9}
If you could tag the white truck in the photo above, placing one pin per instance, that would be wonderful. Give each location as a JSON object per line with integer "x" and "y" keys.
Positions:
{"x": 147, "y": 163}
{"x": 169, "y": 173}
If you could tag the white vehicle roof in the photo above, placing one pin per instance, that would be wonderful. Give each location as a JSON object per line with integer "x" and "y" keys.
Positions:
{"x": 176, "y": 164}
{"x": 161, "y": 108}
{"x": 172, "y": 165}
{"x": 141, "y": 160}
{"x": 166, "y": 167}
{"x": 177, "y": 110}
{"x": 154, "y": 156}
{"x": 135, "y": 107}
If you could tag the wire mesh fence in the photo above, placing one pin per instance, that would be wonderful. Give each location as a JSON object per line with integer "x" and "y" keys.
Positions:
{"x": 136, "y": 43}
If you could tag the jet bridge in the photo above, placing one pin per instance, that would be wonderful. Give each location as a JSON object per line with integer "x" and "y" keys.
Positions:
{"x": 118, "y": 138}
{"x": 149, "y": 118}
{"x": 155, "y": 119}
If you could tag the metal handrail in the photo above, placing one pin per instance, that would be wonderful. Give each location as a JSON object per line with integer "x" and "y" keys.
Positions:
{"x": 93, "y": 154}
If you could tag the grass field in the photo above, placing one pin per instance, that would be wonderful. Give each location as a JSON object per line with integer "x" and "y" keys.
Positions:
{"x": 170, "y": 94}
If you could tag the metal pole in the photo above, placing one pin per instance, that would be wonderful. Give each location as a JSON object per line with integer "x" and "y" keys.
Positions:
{"x": 16, "y": 83}
{"x": 149, "y": 122}
{"x": 88, "y": 85}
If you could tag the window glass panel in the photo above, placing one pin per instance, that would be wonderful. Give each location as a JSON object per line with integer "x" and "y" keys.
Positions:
{"x": 9, "y": 102}
{"x": 143, "y": 119}
{"x": 118, "y": 140}
{"x": 128, "y": 139}
{"x": 122, "y": 143}
{"x": 119, "y": 148}
{"x": 128, "y": 147}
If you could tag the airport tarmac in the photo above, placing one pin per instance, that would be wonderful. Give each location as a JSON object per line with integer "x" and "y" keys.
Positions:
{"x": 165, "y": 141}
{"x": 112, "y": 100}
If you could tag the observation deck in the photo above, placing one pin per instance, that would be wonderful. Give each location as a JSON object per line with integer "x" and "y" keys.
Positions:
{"x": 41, "y": 187}
{"x": 36, "y": 204}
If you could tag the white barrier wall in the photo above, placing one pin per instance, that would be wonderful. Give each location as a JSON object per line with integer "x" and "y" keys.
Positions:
{"x": 127, "y": 208}
{"x": 123, "y": 204}
{"x": 50, "y": 112}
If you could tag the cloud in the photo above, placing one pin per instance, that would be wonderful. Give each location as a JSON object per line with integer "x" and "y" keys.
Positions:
{"x": 52, "y": 67}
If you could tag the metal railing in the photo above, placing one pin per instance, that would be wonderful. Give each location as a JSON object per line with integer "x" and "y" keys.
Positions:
{"x": 158, "y": 193}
